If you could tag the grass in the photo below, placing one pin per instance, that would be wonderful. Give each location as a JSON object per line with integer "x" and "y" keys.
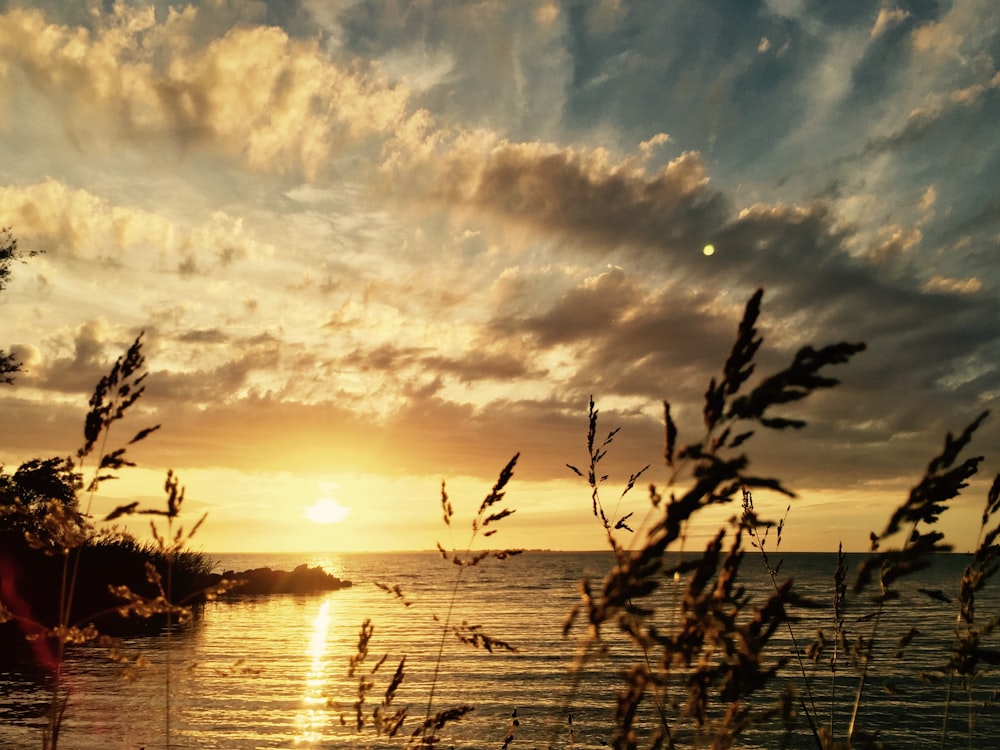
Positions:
{"x": 66, "y": 583}
{"x": 709, "y": 665}
{"x": 427, "y": 732}
{"x": 710, "y": 659}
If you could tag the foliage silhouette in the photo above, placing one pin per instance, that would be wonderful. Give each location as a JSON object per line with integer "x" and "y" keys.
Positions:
{"x": 9, "y": 253}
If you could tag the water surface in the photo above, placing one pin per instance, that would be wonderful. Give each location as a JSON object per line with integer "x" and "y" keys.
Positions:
{"x": 271, "y": 671}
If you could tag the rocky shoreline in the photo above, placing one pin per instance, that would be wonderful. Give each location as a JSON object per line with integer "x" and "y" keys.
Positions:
{"x": 259, "y": 581}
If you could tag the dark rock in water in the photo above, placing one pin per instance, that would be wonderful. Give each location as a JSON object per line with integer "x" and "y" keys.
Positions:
{"x": 301, "y": 580}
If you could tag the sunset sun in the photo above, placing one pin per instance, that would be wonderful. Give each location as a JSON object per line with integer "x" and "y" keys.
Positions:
{"x": 326, "y": 511}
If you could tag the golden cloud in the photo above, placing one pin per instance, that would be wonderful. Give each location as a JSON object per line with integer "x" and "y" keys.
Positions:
{"x": 255, "y": 93}
{"x": 52, "y": 217}
{"x": 893, "y": 241}
{"x": 888, "y": 18}
{"x": 947, "y": 285}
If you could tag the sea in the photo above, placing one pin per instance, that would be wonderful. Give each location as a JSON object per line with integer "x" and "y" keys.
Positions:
{"x": 276, "y": 671}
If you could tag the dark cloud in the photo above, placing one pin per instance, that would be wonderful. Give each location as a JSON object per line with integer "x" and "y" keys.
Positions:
{"x": 580, "y": 194}
{"x": 666, "y": 347}
{"x": 930, "y": 353}
{"x": 203, "y": 336}
{"x": 291, "y": 15}
{"x": 626, "y": 339}
{"x": 988, "y": 218}
{"x": 89, "y": 351}
{"x": 243, "y": 359}
{"x": 475, "y": 365}
{"x": 384, "y": 358}
{"x": 33, "y": 430}
{"x": 581, "y": 313}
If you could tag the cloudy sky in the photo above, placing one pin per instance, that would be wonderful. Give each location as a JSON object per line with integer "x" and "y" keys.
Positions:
{"x": 378, "y": 245}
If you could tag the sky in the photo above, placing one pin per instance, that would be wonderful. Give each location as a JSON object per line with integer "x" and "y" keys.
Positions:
{"x": 374, "y": 246}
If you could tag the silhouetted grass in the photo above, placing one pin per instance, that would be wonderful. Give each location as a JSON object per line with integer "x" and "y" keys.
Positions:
{"x": 427, "y": 732}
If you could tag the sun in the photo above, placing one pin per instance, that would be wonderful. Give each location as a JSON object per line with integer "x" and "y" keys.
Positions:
{"x": 326, "y": 510}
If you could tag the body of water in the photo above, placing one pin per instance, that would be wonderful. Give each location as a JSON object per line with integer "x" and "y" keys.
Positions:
{"x": 271, "y": 671}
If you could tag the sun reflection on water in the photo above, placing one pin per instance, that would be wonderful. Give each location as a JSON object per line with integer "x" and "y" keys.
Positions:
{"x": 312, "y": 716}
{"x": 331, "y": 563}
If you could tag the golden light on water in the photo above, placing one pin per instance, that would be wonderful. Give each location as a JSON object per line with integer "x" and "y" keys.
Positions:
{"x": 312, "y": 716}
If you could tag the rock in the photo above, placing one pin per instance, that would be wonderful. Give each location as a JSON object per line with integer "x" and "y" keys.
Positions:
{"x": 302, "y": 580}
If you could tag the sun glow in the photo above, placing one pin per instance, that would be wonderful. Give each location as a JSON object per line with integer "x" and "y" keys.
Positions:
{"x": 327, "y": 511}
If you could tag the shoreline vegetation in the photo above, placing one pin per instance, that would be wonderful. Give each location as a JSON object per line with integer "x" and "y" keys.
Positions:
{"x": 707, "y": 667}
{"x": 28, "y": 577}
{"x": 111, "y": 565}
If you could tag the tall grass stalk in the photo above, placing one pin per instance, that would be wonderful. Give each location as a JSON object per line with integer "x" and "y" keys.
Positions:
{"x": 945, "y": 477}
{"x": 967, "y": 652}
{"x": 169, "y": 546}
{"x": 65, "y": 531}
{"x": 839, "y": 600}
{"x": 69, "y": 529}
{"x": 484, "y": 522}
{"x": 750, "y": 522}
{"x": 484, "y": 525}
{"x": 610, "y": 524}
{"x": 720, "y": 640}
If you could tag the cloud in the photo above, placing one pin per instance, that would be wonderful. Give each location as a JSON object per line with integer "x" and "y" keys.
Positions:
{"x": 473, "y": 64}
{"x": 547, "y": 13}
{"x": 255, "y": 93}
{"x": 936, "y": 38}
{"x": 504, "y": 366}
{"x": 420, "y": 68}
{"x": 929, "y": 198}
{"x": 55, "y": 219}
{"x": 84, "y": 354}
{"x": 579, "y": 314}
{"x": 203, "y": 336}
{"x": 583, "y": 193}
{"x": 859, "y": 281}
{"x": 893, "y": 241}
{"x": 953, "y": 286}
{"x": 936, "y": 75}
{"x": 888, "y": 18}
